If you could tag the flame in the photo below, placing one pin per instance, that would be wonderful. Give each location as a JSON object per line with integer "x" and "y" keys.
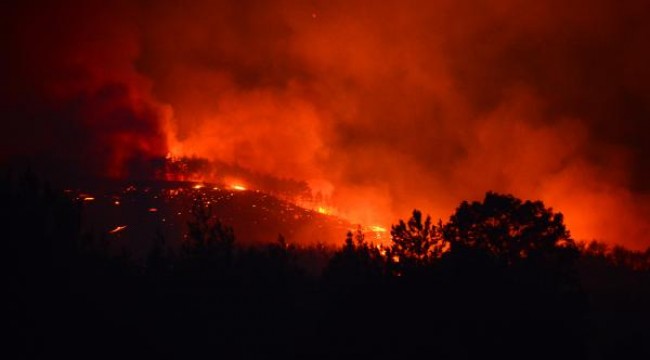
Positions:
{"x": 442, "y": 110}
{"x": 117, "y": 229}
{"x": 323, "y": 210}
{"x": 238, "y": 187}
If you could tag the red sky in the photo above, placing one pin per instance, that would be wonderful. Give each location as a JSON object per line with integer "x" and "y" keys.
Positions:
{"x": 388, "y": 106}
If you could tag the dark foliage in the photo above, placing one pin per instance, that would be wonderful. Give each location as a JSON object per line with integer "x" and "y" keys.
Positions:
{"x": 357, "y": 263}
{"x": 416, "y": 243}
{"x": 501, "y": 280}
{"x": 208, "y": 247}
{"x": 509, "y": 229}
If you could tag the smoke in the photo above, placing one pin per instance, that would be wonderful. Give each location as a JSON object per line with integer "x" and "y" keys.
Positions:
{"x": 385, "y": 107}
{"x": 73, "y": 103}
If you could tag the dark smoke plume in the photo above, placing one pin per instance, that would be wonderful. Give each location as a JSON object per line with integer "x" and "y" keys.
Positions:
{"x": 383, "y": 106}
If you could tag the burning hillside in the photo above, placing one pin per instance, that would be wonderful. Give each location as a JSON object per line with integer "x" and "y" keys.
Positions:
{"x": 130, "y": 216}
{"x": 402, "y": 105}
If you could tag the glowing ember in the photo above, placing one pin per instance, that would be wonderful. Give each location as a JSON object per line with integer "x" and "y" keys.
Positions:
{"x": 88, "y": 198}
{"x": 153, "y": 210}
{"x": 117, "y": 229}
{"x": 238, "y": 187}
{"x": 198, "y": 186}
{"x": 379, "y": 229}
{"x": 323, "y": 210}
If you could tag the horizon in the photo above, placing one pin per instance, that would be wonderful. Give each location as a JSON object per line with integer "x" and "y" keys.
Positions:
{"x": 380, "y": 109}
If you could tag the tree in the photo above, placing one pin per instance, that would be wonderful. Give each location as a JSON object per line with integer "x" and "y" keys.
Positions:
{"x": 282, "y": 258}
{"x": 209, "y": 243}
{"x": 416, "y": 242}
{"x": 158, "y": 260}
{"x": 508, "y": 228}
{"x": 357, "y": 262}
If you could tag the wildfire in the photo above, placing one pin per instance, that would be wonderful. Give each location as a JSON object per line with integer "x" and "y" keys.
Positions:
{"x": 323, "y": 210}
{"x": 117, "y": 229}
{"x": 202, "y": 175}
{"x": 238, "y": 187}
{"x": 377, "y": 229}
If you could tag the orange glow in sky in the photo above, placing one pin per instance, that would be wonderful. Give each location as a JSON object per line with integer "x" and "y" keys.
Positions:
{"x": 380, "y": 109}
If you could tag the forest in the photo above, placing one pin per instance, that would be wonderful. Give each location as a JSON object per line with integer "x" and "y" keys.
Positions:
{"x": 501, "y": 278}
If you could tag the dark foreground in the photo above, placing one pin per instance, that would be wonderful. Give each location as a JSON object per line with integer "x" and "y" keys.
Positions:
{"x": 437, "y": 292}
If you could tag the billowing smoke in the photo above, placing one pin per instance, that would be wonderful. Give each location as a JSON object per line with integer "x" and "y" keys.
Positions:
{"x": 383, "y": 106}
{"x": 72, "y": 102}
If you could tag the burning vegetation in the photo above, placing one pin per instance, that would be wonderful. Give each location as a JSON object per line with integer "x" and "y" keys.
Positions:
{"x": 216, "y": 153}
{"x": 501, "y": 277}
{"x": 165, "y": 207}
{"x": 369, "y": 107}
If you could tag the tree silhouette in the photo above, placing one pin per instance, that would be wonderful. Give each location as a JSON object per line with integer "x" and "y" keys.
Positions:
{"x": 509, "y": 229}
{"x": 357, "y": 262}
{"x": 159, "y": 257}
{"x": 209, "y": 243}
{"x": 415, "y": 242}
{"x": 282, "y": 259}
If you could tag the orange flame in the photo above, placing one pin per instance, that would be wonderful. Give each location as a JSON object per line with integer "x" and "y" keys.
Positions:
{"x": 238, "y": 187}
{"x": 117, "y": 229}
